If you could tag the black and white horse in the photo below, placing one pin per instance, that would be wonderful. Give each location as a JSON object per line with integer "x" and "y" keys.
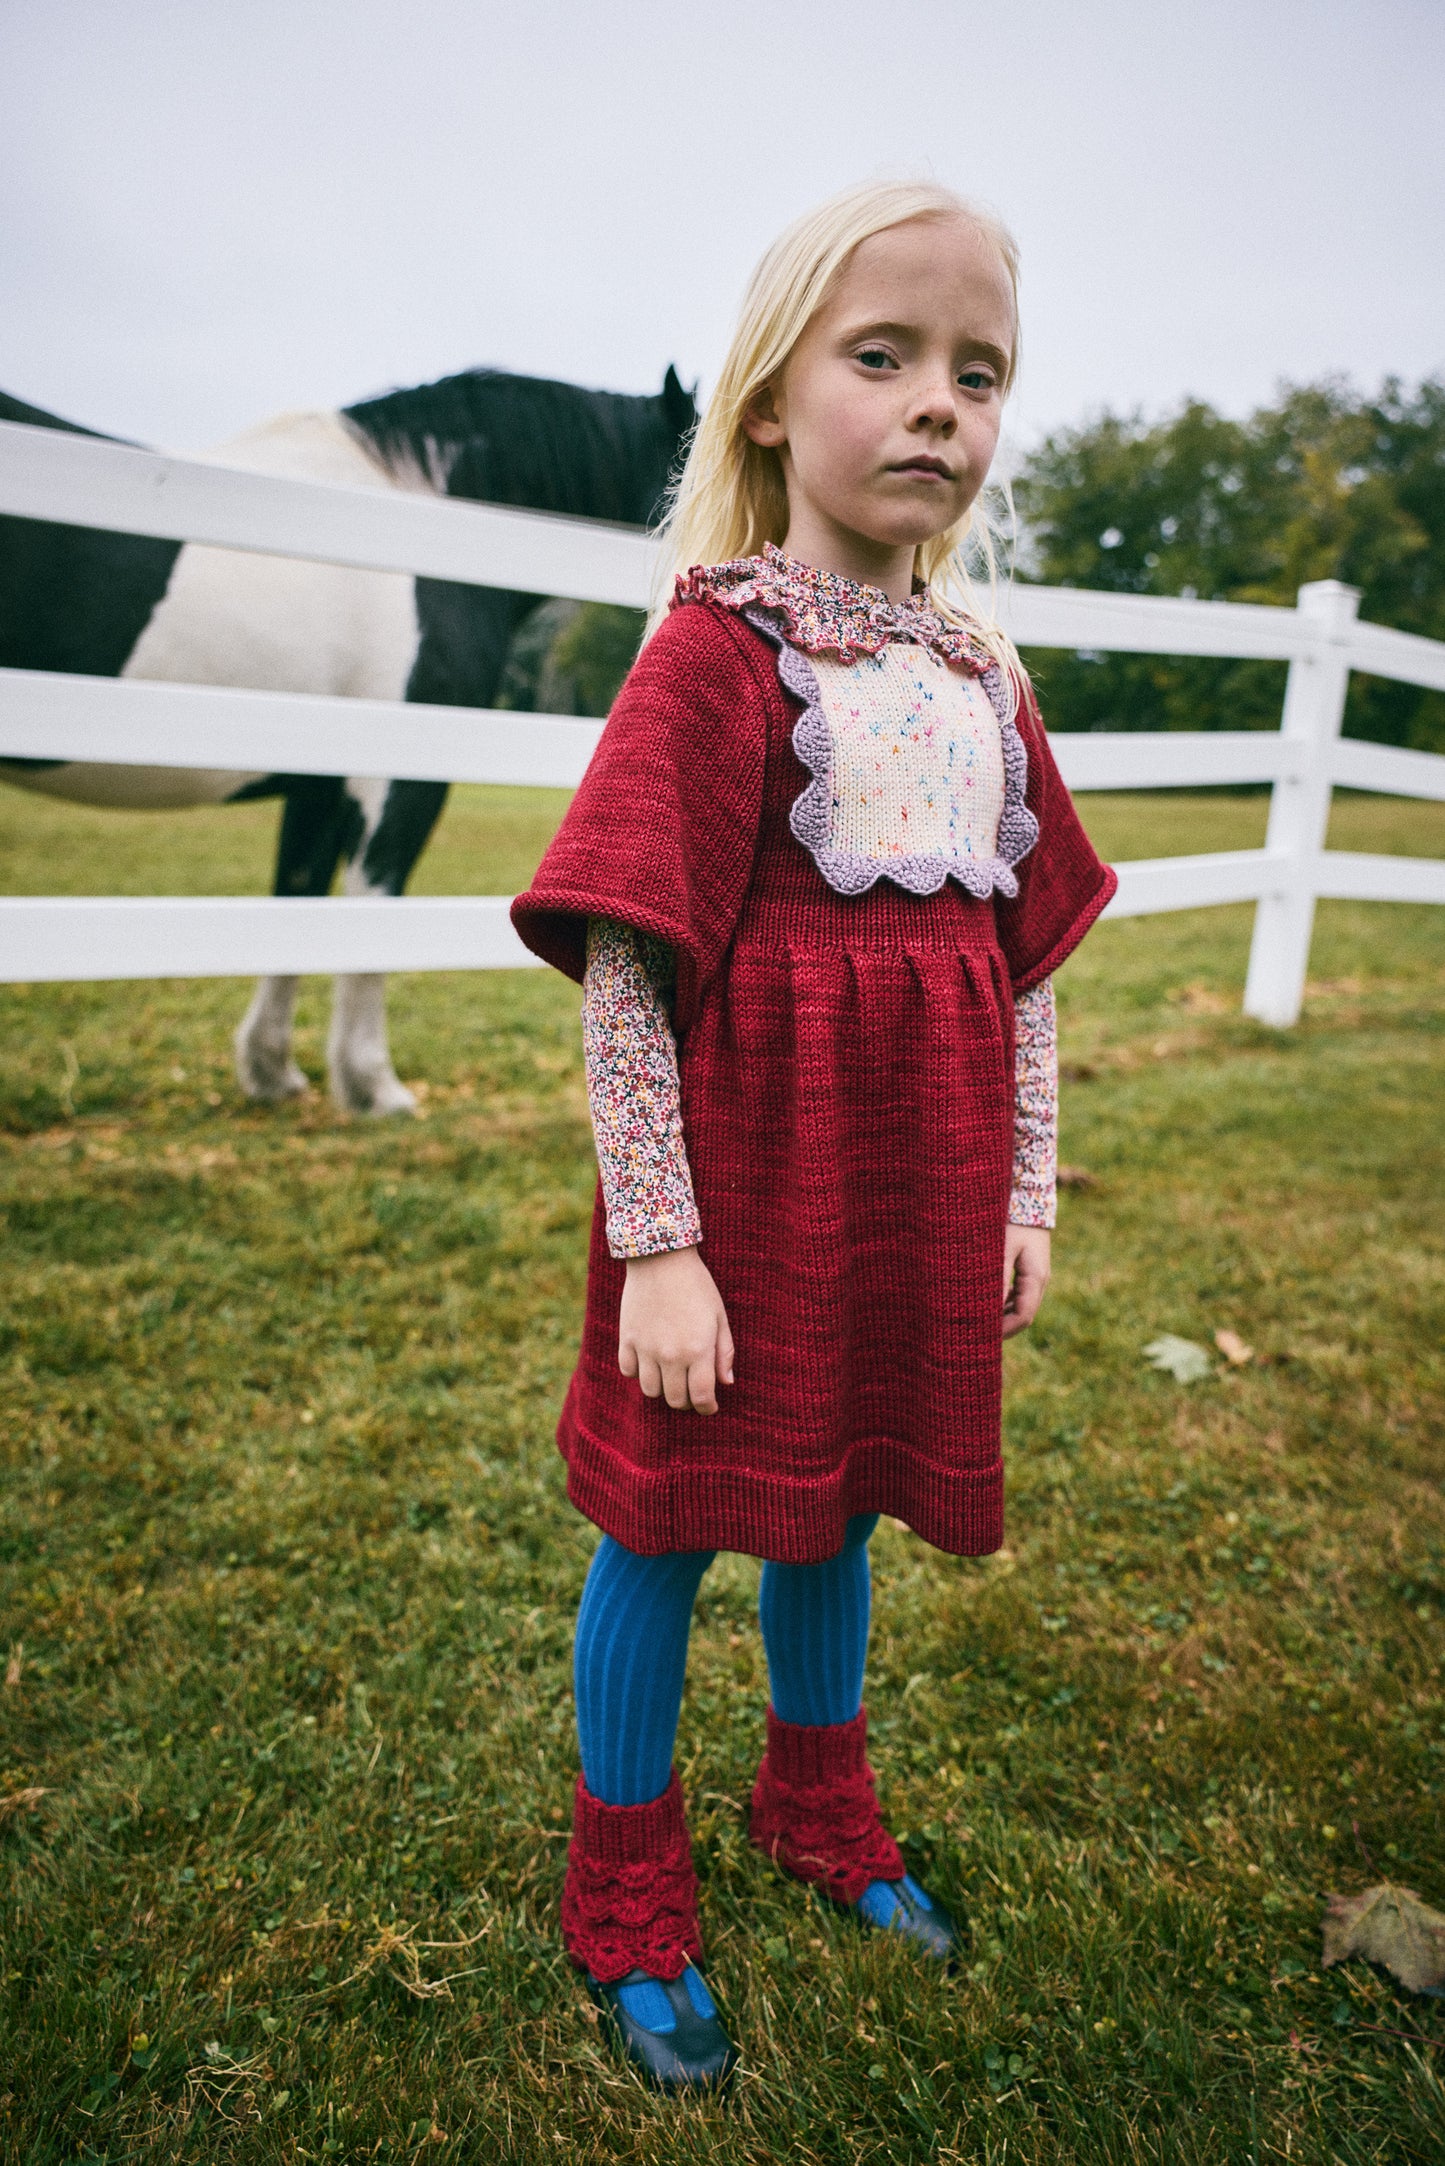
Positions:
{"x": 73, "y": 598}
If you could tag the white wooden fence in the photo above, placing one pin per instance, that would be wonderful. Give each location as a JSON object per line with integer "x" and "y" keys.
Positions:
{"x": 48, "y": 475}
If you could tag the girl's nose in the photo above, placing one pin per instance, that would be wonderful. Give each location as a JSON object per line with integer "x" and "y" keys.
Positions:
{"x": 934, "y": 406}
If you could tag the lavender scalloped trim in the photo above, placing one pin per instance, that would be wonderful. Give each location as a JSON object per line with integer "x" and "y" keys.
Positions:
{"x": 848, "y": 872}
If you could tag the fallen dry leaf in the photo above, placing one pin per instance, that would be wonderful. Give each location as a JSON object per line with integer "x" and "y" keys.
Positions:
{"x": 1185, "y": 1361}
{"x": 1392, "y": 1927}
{"x": 14, "y": 1665}
{"x": 20, "y": 1801}
{"x": 1233, "y": 1348}
{"x": 1077, "y": 1177}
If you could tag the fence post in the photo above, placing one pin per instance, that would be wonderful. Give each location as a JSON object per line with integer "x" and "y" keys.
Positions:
{"x": 1299, "y": 810}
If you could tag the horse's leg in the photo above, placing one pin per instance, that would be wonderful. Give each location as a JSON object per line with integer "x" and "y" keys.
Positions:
{"x": 397, "y": 818}
{"x": 319, "y": 821}
{"x": 265, "y": 1068}
{"x": 464, "y": 633}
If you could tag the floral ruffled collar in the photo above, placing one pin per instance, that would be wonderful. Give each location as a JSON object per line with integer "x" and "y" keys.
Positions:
{"x": 823, "y": 613}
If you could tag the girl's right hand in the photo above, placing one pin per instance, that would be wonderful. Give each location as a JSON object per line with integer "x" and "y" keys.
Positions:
{"x": 673, "y": 1334}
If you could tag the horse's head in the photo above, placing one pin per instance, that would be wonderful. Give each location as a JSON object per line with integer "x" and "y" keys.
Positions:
{"x": 503, "y": 439}
{"x": 679, "y": 418}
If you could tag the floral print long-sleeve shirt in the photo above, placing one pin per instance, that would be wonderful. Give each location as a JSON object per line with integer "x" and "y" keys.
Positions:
{"x": 632, "y": 1086}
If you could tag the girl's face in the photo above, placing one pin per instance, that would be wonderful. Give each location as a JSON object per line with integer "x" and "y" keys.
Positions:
{"x": 887, "y": 412}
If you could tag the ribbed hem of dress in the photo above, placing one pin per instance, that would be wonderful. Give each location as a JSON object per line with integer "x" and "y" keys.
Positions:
{"x": 705, "y": 1506}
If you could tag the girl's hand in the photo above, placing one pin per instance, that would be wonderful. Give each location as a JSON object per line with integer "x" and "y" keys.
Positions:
{"x": 673, "y": 1334}
{"x": 1025, "y": 1275}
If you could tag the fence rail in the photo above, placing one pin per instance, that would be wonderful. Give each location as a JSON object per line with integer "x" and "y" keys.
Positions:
{"x": 82, "y": 481}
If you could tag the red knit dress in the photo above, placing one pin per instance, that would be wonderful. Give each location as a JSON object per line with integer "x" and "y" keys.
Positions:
{"x": 847, "y": 1083}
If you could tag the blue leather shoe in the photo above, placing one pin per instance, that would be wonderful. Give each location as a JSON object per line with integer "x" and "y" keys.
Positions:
{"x": 668, "y": 2029}
{"x": 901, "y": 1906}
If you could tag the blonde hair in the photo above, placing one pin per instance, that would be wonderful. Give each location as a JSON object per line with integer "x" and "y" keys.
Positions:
{"x": 731, "y": 497}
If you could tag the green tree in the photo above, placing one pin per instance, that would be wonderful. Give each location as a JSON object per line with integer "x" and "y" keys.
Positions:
{"x": 570, "y": 658}
{"x": 1326, "y": 484}
{"x": 595, "y": 652}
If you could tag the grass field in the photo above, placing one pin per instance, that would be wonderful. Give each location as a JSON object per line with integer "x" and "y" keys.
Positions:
{"x": 289, "y": 1576}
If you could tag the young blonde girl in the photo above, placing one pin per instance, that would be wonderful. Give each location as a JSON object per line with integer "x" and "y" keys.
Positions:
{"x": 815, "y": 883}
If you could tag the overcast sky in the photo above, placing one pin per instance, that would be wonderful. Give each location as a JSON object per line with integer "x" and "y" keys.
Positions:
{"x": 215, "y": 209}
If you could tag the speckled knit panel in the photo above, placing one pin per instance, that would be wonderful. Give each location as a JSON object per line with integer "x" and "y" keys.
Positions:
{"x": 1033, "y": 1195}
{"x": 909, "y": 729}
{"x": 632, "y": 1086}
{"x": 917, "y": 759}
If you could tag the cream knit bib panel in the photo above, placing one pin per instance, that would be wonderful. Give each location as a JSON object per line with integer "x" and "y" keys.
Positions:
{"x": 917, "y": 765}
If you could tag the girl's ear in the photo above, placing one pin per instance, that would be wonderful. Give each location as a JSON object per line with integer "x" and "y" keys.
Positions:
{"x": 762, "y": 420}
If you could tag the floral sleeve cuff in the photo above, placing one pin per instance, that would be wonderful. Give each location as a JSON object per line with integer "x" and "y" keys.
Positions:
{"x": 630, "y": 1056}
{"x": 1034, "y": 1196}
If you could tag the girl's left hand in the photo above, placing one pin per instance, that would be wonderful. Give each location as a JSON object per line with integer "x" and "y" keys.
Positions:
{"x": 1025, "y": 1275}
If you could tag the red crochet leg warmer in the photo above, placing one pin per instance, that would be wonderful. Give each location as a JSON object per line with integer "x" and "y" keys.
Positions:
{"x": 629, "y": 1901}
{"x": 815, "y": 1810}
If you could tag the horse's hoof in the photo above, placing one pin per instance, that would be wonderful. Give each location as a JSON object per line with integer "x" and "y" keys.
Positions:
{"x": 270, "y": 1080}
{"x": 376, "y": 1094}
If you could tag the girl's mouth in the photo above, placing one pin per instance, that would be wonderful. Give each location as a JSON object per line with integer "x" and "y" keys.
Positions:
{"x": 923, "y": 468}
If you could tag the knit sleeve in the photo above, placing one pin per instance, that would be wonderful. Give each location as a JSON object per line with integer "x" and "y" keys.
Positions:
{"x": 632, "y": 1086}
{"x": 664, "y": 828}
{"x": 1062, "y": 886}
{"x": 1034, "y": 1195}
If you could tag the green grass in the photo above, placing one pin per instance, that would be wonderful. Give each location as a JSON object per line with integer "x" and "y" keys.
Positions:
{"x": 288, "y": 1582}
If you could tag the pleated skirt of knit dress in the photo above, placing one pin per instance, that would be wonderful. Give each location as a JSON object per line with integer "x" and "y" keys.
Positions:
{"x": 847, "y": 1095}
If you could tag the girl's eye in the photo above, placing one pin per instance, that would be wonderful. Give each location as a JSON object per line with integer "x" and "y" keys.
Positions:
{"x": 977, "y": 379}
{"x": 875, "y": 357}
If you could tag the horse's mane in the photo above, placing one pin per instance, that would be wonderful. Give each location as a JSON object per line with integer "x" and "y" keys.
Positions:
{"x": 504, "y": 439}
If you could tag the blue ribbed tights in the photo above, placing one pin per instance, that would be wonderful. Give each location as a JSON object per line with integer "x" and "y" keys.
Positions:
{"x": 631, "y": 1653}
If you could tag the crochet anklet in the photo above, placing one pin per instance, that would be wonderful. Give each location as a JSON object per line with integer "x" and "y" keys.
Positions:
{"x": 815, "y": 1812}
{"x": 629, "y": 1920}
{"x": 629, "y": 1901}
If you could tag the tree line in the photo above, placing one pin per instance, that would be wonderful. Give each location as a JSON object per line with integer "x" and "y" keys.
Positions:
{"x": 1325, "y": 484}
